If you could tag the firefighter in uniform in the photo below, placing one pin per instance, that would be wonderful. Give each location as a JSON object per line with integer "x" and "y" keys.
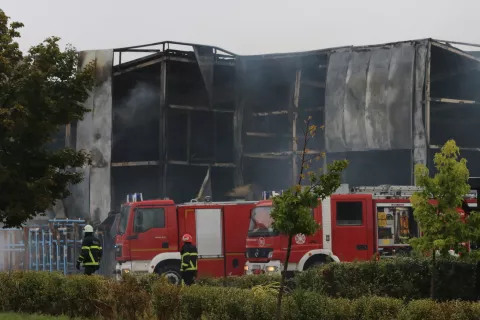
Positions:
{"x": 91, "y": 252}
{"x": 189, "y": 256}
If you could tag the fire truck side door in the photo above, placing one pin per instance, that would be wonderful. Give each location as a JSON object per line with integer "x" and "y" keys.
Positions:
{"x": 150, "y": 232}
{"x": 302, "y": 243}
{"x": 352, "y": 228}
{"x": 205, "y": 225}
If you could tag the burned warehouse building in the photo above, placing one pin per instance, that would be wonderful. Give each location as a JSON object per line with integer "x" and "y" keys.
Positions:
{"x": 184, "y": 120}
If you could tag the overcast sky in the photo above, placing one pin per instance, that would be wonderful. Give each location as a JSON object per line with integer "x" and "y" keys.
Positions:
{"x": 244, "y": 26}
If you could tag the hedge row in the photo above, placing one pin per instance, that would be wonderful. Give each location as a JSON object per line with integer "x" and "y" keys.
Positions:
{"x": 401, "y": 278}
{"x": 398, "y": 278}
{"x": 95, "y": 297}
{"x": 74, "y": 296}
{"x": 219, "y": 303}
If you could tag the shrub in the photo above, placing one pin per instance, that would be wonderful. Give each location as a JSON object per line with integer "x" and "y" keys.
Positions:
{"x": 402, "y": 278}
{"x": 429, "y": 310}
{"x": 128, "y": 299}
{"x": 165, "y": 299}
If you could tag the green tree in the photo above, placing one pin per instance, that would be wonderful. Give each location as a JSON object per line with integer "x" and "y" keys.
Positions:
{"x": 291, "y": 211}
{"x": 442, "y": 227}
{"x": 39, "y": 93}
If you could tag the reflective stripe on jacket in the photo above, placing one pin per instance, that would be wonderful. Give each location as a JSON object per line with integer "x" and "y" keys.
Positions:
{"x": 91, "y": 251}
{"x": 189, "y": 256}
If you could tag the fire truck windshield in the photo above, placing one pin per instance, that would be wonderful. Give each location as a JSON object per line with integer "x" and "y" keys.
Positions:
{"x": 123, "y": 219}
{"x": 261, "y": 223}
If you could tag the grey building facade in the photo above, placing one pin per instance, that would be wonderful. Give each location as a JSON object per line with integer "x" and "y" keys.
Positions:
{"x": 163, "y": 122}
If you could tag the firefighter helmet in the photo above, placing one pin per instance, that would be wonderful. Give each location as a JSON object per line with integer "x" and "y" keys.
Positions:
{"x": 88, "y": 228}
{"x": 187, "y": 238}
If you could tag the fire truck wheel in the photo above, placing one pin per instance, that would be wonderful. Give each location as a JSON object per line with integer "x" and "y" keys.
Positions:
{"x": 171, "y": 273}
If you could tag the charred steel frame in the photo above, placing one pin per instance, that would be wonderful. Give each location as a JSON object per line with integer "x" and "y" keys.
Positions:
{"x": 245, "y": 111}
{"x": 163, "y": 54}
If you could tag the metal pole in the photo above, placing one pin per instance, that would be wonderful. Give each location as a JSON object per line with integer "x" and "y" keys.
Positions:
{"x": 74, "y": 242}
{"x": 29, "y": 249}
{"x": 65, "y": 252}
{"x": 57, "y": 249}
{"x": 36, "y": 250}
{"x": 11, "y": 245}
{"x": 43, "y": 250}
{"x": 50, "y": 249}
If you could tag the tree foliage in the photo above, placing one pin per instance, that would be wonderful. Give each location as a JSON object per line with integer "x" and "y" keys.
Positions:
{"x": 292, "y": 209}
{"x": 40, "y": 91}
{"x": 442, "y": 226}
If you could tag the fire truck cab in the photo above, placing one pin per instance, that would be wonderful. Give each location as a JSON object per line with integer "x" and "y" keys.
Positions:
{"x": 357, "y": 225}
{"x": 149, "y": 236}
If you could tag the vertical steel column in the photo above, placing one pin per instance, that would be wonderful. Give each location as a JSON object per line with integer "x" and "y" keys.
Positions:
{"x": 163, "y": 157}
{"x": 427, "y": 95}
{"x": 296, "y": 98}
{"x": 189, "y": 135}
{"x": 240, "y": 97}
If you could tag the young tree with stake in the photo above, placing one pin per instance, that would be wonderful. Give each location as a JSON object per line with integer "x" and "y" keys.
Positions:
{"x": 435, "y": 208}
{"x": 291, "y": 211}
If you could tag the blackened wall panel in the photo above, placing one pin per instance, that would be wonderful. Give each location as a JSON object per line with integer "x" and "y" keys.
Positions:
{"x": 335, "y": 140}
{"x": 136, "y": 111}
{"x": 347, "y": 106}
{"x": 128, "y": 180}
{"x": 354, "y": 104}
{"x": 454, "y": 121}
{"x": 373, "y": 168}
{"x": 184, "y": 182}
{"x": 400, "y": 95}
{"x": 377, "y": 88}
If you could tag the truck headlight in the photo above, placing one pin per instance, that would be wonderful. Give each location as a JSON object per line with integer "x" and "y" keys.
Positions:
{"x": 126, "y": 270}
{"x": 271, "y": 269}
{"x": 245, "y": 268}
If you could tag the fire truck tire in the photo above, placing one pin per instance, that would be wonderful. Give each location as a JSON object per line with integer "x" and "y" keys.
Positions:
{"x": 172, "y": 273}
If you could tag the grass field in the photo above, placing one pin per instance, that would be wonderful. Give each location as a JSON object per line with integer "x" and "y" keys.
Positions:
{"x": 21, "y": 316}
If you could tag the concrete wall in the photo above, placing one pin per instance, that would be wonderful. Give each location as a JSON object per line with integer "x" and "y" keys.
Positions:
{"x": 91, "y": 198}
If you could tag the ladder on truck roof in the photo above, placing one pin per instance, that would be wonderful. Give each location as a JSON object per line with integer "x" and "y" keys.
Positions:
{"x": 397, "y": 191}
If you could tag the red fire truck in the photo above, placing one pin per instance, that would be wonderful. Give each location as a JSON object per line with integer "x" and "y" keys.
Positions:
{"x": 354, "y": 226}
{"x": 149, "y": 236}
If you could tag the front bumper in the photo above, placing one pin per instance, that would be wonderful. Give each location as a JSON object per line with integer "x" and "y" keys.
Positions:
{"x": 137, "y": 267}
{"x": 271, "y": 267}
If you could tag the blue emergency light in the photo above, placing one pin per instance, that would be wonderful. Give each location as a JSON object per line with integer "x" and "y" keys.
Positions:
{"x": 137, "y": 196}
